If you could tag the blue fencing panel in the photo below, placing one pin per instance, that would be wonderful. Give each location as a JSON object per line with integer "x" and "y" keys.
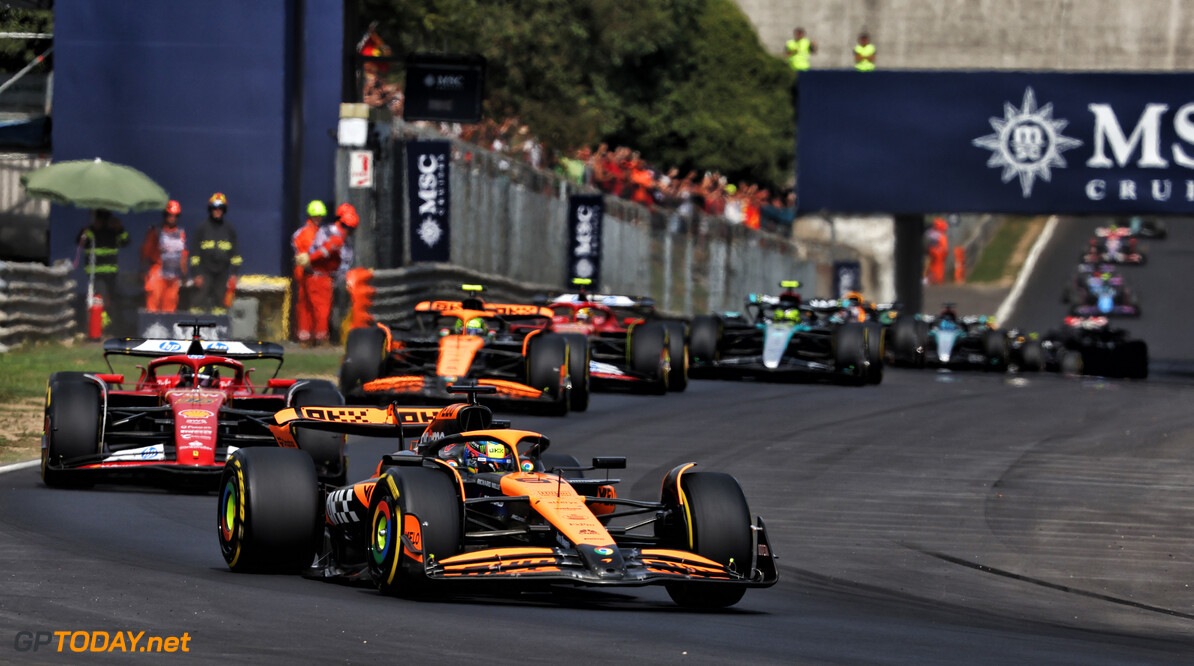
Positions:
{"x": 200, "y": 96}
{"x": 1004, "y": 142}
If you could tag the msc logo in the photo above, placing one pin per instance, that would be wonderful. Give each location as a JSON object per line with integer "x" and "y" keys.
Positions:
{"x": 1027, "y": 142}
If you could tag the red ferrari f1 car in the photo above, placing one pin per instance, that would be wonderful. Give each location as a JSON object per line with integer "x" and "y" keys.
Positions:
{"x": 628, "y": 346}
{"x": 473, "y": 502}
{"x": 192, "y": 407}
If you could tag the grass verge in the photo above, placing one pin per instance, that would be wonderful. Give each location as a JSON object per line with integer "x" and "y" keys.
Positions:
{"x": 1003, "y": 255}
{"x": 24, "y": 371}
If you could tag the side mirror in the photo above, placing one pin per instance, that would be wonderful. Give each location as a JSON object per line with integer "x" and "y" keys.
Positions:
{"x": 609, "y": 462}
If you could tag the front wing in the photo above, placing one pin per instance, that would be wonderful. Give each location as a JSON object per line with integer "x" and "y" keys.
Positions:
{"x": 643, "y": 566}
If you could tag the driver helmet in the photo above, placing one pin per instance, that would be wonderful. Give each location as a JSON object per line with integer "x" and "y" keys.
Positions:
{"x": 209, "y": 376}
{"x": 486, "y": 456}
{"x": 584, "y": 314}
{"x": 788, "y": 314}
{"x": 474, "y": 326}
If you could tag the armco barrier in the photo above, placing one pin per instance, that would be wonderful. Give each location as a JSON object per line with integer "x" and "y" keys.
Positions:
{"x": 35, "y": 302}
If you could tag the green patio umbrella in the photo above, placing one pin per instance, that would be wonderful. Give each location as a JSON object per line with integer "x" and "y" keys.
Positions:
{"x": 96, "y": 184}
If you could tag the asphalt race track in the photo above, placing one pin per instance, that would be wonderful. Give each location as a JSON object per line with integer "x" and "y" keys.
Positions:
{"x": 951, "y": 518}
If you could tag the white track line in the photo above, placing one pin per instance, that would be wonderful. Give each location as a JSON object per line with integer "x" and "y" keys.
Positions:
{"x": 1009, "y": 303}
{"x": 19, "y": 466}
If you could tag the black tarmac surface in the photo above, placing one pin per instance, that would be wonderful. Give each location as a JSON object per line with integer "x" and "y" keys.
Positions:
{"x": 938, "y": 518}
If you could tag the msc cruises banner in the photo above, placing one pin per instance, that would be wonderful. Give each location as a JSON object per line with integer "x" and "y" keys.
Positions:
{"x": 1011, "y": 142}
{"x": 428, "y": 164}
{"x": 584, "y": 238}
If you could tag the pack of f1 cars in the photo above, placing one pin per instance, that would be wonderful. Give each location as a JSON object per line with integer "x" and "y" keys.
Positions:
{"x": 192, "y": 406}
{"x": 627, "y": 347}
{"x": 947, "y": 340}
{"x": 473, "y": 504}
{"x": 506, "y": 346}
{"x": 778, "y": 337}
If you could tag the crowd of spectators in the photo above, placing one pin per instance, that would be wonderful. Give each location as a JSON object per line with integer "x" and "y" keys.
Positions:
{"x": 620, "y": 171}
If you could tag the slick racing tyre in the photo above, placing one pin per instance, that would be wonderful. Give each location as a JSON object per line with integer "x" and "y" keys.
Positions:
{"x": 705, "y": 334}
{"x": 849, "y": 353}
{"x": 717, "y": 525}
{"x": 995, "y": 350}
{"x": 1133, "y": 359}
{"x": 270, "y": 515}
{"x": 907, "y": 347}
{"x": 325, "y": 448}
{"x": 649, "y": 355}
{"x": 364, "y": 354}
{"x": 72, "y": 427}
{"x": 578, "y": 371}
{"x": 876, "y": 351}
{"x": 546, "y": 360}
{"x": 677, "y": 351}
{"x": 1032, "y": 356}
{"x": 415, "y": 516}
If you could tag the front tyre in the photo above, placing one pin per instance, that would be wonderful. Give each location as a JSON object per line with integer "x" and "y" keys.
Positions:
{"x": 649, "y": 355}
{"x": 415, "y": 517}
{"x": 677, "y": 336}
{"x": 718, "y": 525}
{"x": 546, "y": 362}
{"x": 578, "y": 371}
{"x": 364, "y": 354}
{"x": 72, "y": 427}
{"x": 269, "y": 518}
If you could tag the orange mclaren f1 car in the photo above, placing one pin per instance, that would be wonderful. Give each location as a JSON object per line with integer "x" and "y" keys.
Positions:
{"x": 505, "y": 346}
{"x": 473, "y": 503}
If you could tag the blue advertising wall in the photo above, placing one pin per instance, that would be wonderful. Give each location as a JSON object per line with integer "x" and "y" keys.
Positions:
{"x": 1000, "y": 142}
{"x": 203, "y": 96}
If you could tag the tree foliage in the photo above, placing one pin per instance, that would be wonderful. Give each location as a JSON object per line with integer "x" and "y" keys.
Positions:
{"x": 16, "y": 53}
{"x": 685, "y": 82}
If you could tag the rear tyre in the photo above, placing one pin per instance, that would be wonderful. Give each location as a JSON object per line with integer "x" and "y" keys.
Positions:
{"x": 364, "y": 353}
{"x": 547, "y": 359}
{"x": 717, "y": 522}
{"x": 705, "y": 334}
{"x": 325, "y": 448}
{"x": 1134, "y": 359}
{"x": 849, "y": 353}
{"x": 1072, "y": 363}
{"x": 578, "y": 371}
{"x": 415, "y": 516}
{"x": 72, "y": 427}
{"x": 905, "y": 341}
{"x": 876, "y": 351}
{"x": 269, "y": 511}
{"x": 649, "y": 355}
{"x": 677, "y": 351}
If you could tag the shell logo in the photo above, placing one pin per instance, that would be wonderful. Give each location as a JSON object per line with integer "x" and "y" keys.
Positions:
{"x": 196, "y": 413}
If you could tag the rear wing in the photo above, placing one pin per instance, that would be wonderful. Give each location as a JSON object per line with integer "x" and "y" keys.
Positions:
{"x": 504, "y": 309}
{"x": 153, "y": 347}
{"x": 365, "y": 421}
{"x": 608, "y": 300}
